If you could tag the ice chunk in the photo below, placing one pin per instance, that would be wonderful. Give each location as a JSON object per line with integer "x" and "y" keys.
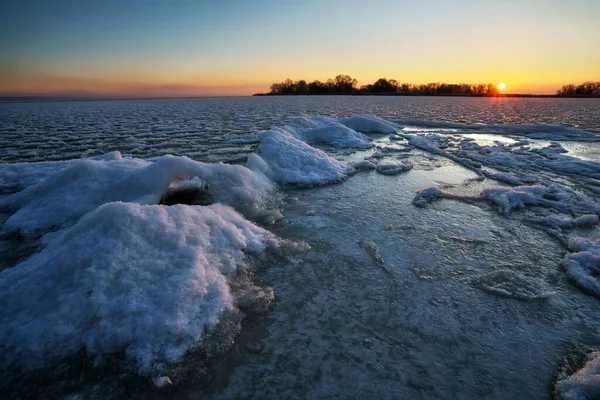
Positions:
{"x": 293, "y": 162}
{"x": 583, "y": 384}
{"x": 364, "y": 165}
{"x": 144, "y": 279}
{"x": 336, "y": 135}
{"x": 428, "y": 195}
{"x": 70, "y": 193}
{"x": 431, "y": 143}
{"x": 583, "y": 264}
{"x": 508, "y": 198}
{"x": 394, "y": 169}
{"x": 370, "y": 124}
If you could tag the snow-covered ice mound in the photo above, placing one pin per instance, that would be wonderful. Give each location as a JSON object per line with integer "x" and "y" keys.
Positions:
{"x": 370, "y": 124}
{"x": 146, "y": 279}
{"x": 81, "y": 187}
{"x": 288, "y": 160}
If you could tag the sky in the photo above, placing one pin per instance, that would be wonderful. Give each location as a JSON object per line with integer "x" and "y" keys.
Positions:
{"x": 230, "y": 47}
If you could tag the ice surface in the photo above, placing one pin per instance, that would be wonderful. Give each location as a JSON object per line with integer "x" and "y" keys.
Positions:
{"x": 150, "y": 279}
{"x": 508, "y": 283}
{"x": 147, "y": 279}
{"x": 71, "y": 192}
{"x": 583, "y": 384}
{"x": 533, "y": 131}
{"x": 370, "y": 124}
{"x": 293, "y": 162}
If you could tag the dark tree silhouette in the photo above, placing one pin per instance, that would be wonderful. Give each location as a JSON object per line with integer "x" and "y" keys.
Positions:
{"x": 587, "y": 89}
{"x": 345, "y": 84}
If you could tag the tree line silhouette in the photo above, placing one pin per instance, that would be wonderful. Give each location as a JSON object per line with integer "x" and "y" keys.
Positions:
{"x": 591, "y": 89}
{"x": 345, "y": 84}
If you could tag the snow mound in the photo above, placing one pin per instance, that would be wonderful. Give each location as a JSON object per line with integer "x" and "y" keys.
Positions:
{"x": 370, "y": 124}
{"x": 583, "y": 384}
{"x": 146, "y": 279}
{"x": 394, "y": 169}
{"x": 583, "y": 264}
{"x": 288, "y": 160}
{"x": 68, "y": 194}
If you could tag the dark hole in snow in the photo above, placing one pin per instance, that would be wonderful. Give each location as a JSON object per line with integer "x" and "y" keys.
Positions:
{"x": 193, "y": 192}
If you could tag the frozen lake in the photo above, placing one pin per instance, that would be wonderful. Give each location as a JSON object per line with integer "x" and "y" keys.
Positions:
{"x": 358, "y": 247}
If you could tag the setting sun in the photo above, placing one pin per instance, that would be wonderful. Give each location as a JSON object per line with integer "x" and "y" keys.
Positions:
{"x": 501, "y": 86}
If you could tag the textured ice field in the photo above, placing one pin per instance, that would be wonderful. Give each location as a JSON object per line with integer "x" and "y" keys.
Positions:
{"x": 407, "y": 258}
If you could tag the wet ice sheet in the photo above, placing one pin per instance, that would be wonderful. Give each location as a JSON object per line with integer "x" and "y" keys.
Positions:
{"x": 461, "y": 297}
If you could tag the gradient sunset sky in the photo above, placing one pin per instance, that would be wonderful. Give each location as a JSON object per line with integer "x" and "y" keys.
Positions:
{"x": 189, "y": 48}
